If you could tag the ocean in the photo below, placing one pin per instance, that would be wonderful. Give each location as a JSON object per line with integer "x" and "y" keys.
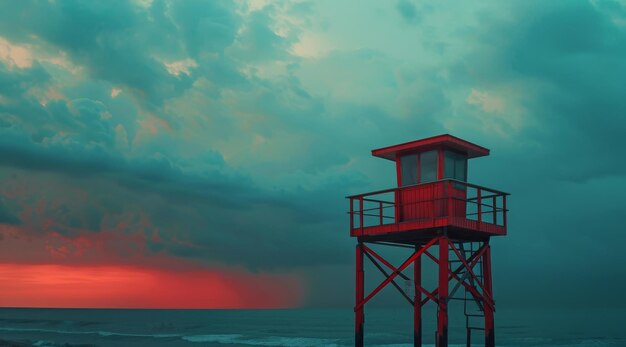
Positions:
{"x": 296, "y": 327}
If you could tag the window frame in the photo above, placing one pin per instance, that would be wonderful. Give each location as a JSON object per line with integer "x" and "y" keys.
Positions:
{"x": 402, "y": 170}
{"x": 418, "y": 168}
{"x": 456, "y": 159}
{"x": 436, "y": 166}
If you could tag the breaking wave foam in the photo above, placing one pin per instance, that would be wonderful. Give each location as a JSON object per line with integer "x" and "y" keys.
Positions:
{"x": 278, "y": 341}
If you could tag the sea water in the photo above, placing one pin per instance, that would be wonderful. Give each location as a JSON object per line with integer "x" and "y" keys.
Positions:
{"x": 297, "y": 327}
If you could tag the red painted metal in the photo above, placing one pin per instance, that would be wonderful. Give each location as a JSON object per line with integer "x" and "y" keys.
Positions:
{"x": 442, "y": 294}
{"x": 469, "y": 268}
{"x": 504, "y": 208}
{"x": 489, "y": 309}
{"x": 381, "y": 259}
{"x": 398, "y": 170}
{"x": 449, "y": 141}
{"x": 396, "y": 194}
{"x": 417, "y": 300}
{"x": 351, "y": 215}
{"x": 440, "y": 161}
{"x": 395, "y": 273}
{"x": 444, "y": 213}
{"x": 361, "y": 215}
{"x": 443, "y": 203}
{"x": 480, "y": 208}
{"x": 359, "y": 316}
{"x": 394, "y": 269}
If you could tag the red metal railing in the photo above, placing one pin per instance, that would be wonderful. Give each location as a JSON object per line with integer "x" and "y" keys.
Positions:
{"x": 446, "y": 198}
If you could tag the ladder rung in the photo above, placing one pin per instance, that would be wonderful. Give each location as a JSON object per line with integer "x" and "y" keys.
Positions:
{"x": 475, "y": 328}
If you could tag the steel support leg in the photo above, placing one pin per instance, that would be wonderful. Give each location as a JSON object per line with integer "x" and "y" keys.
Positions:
{"x": 490, "y": 340}
{"x": 417, "y": 300}
{"x": 442, "y": 294}
{"x": 359, "y": 315}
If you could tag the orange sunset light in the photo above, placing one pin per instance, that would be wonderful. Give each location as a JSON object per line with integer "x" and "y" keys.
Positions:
{"x": 109, "y": 286}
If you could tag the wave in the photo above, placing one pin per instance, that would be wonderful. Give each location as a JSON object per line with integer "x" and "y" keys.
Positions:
{"x": 239, "y": 339}
{"x": 278, "y": 341}
{"x": 99, "y": 333}
{"x": 44, "y": 343}
{"x": 225, "y": 338}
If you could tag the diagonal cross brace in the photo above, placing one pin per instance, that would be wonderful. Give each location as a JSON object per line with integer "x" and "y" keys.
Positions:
{"x": 466, "y": 276}
{"x": 396, "y": 272}
{"x": 469, "y": 268}
{"x": 393, "y": 282}
{"x": 463, "y": 278}
{"x": 476, "y": 256}
{"x": 385, "y": 262}
{"x": 454, "y": 274}
{"x": 392, "y": 268}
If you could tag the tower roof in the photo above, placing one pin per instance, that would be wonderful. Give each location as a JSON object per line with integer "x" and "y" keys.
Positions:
{"x": 446, "y": 140}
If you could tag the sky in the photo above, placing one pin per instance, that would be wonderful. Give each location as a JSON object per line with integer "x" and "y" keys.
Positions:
{"x": 197, "y": 153}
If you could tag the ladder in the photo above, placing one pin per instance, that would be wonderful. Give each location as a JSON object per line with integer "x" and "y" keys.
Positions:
{"x": 472, "y": 307}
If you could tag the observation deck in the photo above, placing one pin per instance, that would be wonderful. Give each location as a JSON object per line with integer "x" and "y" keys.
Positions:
{"x": 405, "y": 214}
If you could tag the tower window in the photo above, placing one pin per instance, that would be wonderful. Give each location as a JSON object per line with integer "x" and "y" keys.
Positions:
{"x": 455, "y": 166}
{"x": 428, "y": 166}
{"x": 408, "y": 165}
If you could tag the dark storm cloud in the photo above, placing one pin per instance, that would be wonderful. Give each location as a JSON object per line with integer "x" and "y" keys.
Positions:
{"x": 219, "y": 214}
{"x": 111, "y": 41}
{"x": 14, "y": 83}
{"x": 570, "y": 57}
{"x": 563, "y": 167}
{"x": 20, "y": 151}
{"x": 581, "y": 55}
{"x": 204, "y": 27}
{"x": 259, "y": 41}
{"x": 7, "y": 216}
{"x": 258, "y": 146}
{"x": 407, "y": 10}
{"x": 220, "y": 219}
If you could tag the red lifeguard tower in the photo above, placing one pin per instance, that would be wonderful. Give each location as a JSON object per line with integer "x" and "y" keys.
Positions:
{"x": 433, "y": 205}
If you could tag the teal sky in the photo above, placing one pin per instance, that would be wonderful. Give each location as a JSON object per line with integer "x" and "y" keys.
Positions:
{"x": 224, "y": 135}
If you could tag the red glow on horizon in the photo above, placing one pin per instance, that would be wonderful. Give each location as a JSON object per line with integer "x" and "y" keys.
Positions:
{"x": 63, "y": 286}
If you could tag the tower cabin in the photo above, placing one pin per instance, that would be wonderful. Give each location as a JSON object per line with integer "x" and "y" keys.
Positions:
{"x": 432, "y": 195}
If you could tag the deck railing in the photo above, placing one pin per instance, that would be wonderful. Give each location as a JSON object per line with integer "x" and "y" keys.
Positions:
{"x": 440, "y": 199}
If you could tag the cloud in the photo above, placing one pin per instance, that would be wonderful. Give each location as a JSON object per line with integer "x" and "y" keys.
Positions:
{"x": 407, "y": 10}
{"x": 568, "y": 74}
{"x": 487, "y": 102}
{"x": 202, "y": 28}
{"x": 196, "y": 129}
{"x": 6, "y": 216}
{"x": 14, "y": 55}
{"x": 181, "y": 66}
{"x": 115, "y": 92}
